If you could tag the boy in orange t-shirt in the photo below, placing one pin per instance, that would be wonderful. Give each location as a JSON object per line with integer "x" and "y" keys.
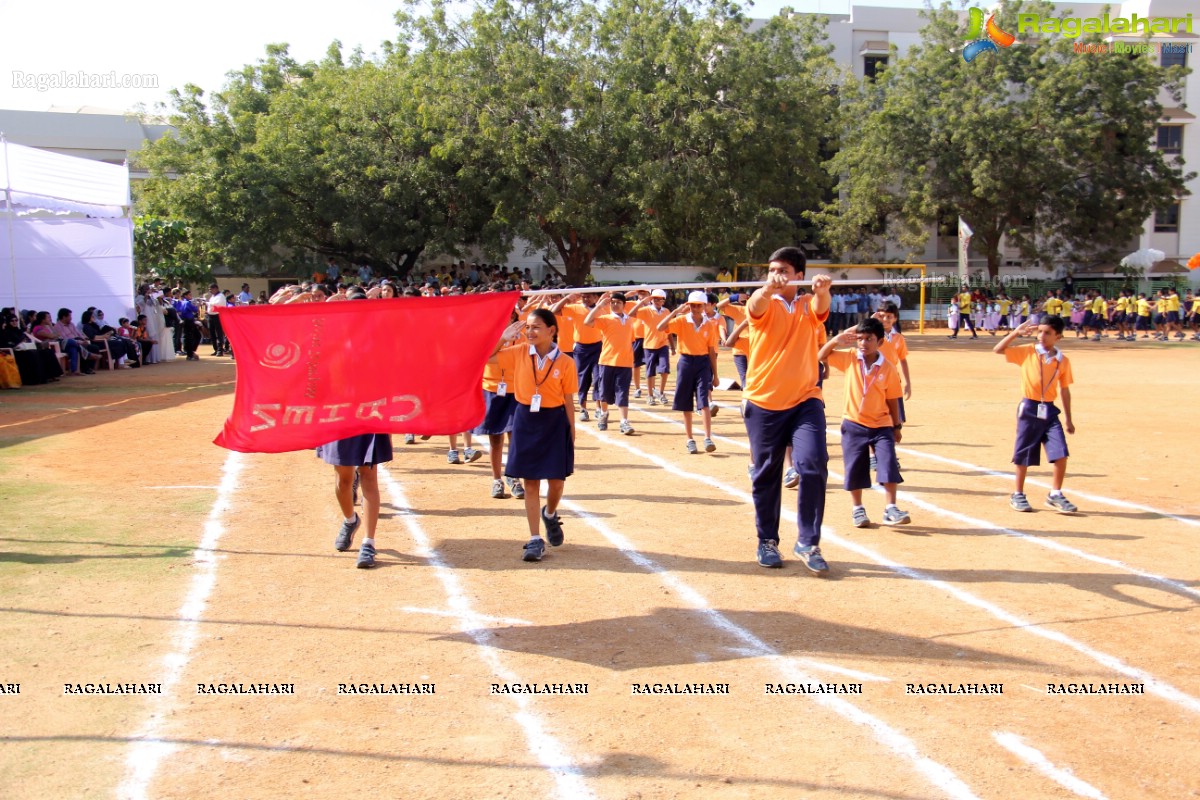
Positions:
{"x": 1045, "y": 374}
{"x": 871, "y": 420}
{"x": 782, "y": 405}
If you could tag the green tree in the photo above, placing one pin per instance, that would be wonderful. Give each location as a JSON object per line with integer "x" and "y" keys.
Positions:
{"x": 1053, "y": 149}
{"x": 164, "y": 248}
{"x": 320, "y": 158}
{"x": 637, "y": 128}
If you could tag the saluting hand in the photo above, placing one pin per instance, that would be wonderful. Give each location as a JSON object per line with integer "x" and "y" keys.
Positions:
{"x": 821, "y": 283}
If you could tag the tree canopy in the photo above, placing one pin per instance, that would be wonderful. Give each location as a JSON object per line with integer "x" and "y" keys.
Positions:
{"x": 633, "y": 129}
{"x": 1045, "y": 145}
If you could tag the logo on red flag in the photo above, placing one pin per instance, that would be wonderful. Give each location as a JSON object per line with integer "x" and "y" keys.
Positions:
{"x": 313, "y": 373}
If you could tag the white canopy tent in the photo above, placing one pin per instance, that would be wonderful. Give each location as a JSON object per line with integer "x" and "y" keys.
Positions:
{"x": 66, "y": 239}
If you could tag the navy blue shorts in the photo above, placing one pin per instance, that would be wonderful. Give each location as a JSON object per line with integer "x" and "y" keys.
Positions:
{"x": 614, "y": 385}
{"x": 657, "y": 360}
{"x": 1172, "y": 317}
{"x": 364, "y": 450}
{"x": 639, "y": 353}
{"x": 1143, "y": 323}
{"x": 1032, "y": 433}
{"x": 857, "y": 443}
{"x": 497, "y": 419}
{"x": 587, "y": 359}
{"x": 693, "y": 382}
{"x": 541, "y": 446}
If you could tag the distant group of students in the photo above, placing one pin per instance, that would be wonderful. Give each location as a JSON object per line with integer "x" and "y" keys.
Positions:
{"x": 592, "y": 345}
{"x": 1161, "y": 315}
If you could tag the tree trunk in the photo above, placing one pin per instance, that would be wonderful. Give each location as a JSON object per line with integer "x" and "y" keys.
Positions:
{"x": 991, "y": 243}
{"x": 576, "y": 254}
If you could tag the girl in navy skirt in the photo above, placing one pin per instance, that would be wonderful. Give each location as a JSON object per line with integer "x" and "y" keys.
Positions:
{"x": 542, "y": 444}
{"x": 357, "y": 455}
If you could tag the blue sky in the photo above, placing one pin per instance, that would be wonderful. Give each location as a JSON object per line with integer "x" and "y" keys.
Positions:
{"x": 178, "y": 43}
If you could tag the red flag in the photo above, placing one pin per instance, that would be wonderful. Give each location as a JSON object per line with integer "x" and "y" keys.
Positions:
{"x": 313, "y": 373}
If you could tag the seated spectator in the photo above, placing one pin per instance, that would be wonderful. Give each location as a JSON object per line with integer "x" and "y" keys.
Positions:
{"x": 119, "y": 348}
{"x": 141, "y": 335}
{"x": 124, "y": 329}
{"x": 44, "y": 331}
{"x": 37, "y": 365}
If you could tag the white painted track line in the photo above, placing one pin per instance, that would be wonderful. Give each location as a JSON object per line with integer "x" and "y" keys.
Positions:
{"x": 149, "y": 750}
{"x": 1030, "y": 755}
{"x": 550, "y": 753}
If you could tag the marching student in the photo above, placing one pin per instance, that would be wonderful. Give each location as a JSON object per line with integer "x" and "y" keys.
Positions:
{"x": 639, "y": 339}
{"x": 1045, "y": 374}
{"x": 1160, "y": 315}
{"x": 782, "y": 405}
{"x": 469, "y": 454}
{"x": 1143, "y": 316}
{"x": 1173, "y": 322}
{"x": 871, "y": 420}
{"x": 964, "y": 302}
{"x": 1023, "y": 311}
{"x": 1194, "y": 302}
{"x": 657, "y": 346}
{"x": 1121, "y": 316}
{"x": 732, "y": 308}
{"x": 499, "y": 406}
{"x": 616, "y": 356}
{"x": 354, "y": 461}
{"x": 587, "y": 346}
{"x": 697, "y": 336}
{"x": 543, "y": 430}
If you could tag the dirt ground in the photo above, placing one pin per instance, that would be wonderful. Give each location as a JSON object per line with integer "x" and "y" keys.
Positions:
{"x": 118, "y": 564}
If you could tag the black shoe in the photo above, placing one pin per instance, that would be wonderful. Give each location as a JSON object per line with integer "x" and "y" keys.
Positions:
{"x": 89, "y": 372}
{"x": 768, "y": 554}
{"x": 554, "y": 529}
{"x": 345, "y": 535}
{"x": 534, "y": 550}
{"x": 366, "y": 556}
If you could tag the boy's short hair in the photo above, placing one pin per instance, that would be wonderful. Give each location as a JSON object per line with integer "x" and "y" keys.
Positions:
{"x": 712, "y": 298}
{"x": 890, "y": 308}
{"x": 618, "y": 296}
{"x": 870, "y": 325}
{"x": 790, "y": 255}
{"x": 1054, "y": 321}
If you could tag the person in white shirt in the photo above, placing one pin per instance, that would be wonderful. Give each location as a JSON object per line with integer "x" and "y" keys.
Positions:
{"x": 216, "y": 335}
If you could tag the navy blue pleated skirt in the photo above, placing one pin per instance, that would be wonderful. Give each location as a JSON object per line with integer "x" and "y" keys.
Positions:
{"x": 497, "y": 418}
{"x": 541, "y": 446}
{"x": 365, "y": 450}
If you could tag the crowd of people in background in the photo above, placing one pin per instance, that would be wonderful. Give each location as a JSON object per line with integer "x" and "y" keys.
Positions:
{"x": 1159, "y": 316}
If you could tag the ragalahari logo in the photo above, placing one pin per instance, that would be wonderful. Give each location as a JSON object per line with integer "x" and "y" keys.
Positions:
{"x": 983, "y": 37}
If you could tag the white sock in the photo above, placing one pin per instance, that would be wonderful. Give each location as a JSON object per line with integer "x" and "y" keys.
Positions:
{"x": 351, "y": 520}
{"x": 1056, "y": 492}
{"x": 369, "y": 540}
{"x": 859, "y": 508}
{"x": 889, "y": 506}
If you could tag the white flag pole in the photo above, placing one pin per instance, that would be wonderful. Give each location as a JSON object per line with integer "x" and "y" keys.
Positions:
{"x": 964, "y": 242}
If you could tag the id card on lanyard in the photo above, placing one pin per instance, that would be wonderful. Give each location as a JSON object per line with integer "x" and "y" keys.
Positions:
{"x": 535, "y": 402}
{"x": 863, "y": 374}
{"x": 1043, "y": 408}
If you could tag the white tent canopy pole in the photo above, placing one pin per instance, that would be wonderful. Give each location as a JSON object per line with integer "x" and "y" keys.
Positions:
{"x": 8, "y": 214}
{"x": 717, "y": 285}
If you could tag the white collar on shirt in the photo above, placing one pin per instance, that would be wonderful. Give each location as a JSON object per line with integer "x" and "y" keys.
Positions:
{"x": 541, "y": 362}
{"x": 879, "y": 359}
{"x": 1045, "y": 354}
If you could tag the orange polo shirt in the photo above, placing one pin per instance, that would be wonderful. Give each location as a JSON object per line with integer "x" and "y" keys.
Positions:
{"x": 566, "y": 331}
{"x": 782, "y": 369}
{"x": 493, "y": 374}
{"x": 868, "y": 388}
{"x": 617, "y": 338}
{"x": 894, "y": 349}
{"x": 554, "y": 378}
{"x": 651, "y": 317}
{"x": 693, "y": 340}
{"x": 738, "y": 314}
{"x": 1040, "y": 381}
{"x": 583, "y": 334}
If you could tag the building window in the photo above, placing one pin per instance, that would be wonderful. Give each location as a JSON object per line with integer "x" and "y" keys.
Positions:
{"x": 873, "y": 65}
{"x": 1170, "y": 138}
{"x": 1166, "y": 220}
{"x": 1175, "y": 56}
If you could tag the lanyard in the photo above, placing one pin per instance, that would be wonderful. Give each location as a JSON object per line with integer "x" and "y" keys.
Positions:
{"x": 863, "y": 373}
{"x": 537, "y": 384}
{"x": 1053, "y": 375}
